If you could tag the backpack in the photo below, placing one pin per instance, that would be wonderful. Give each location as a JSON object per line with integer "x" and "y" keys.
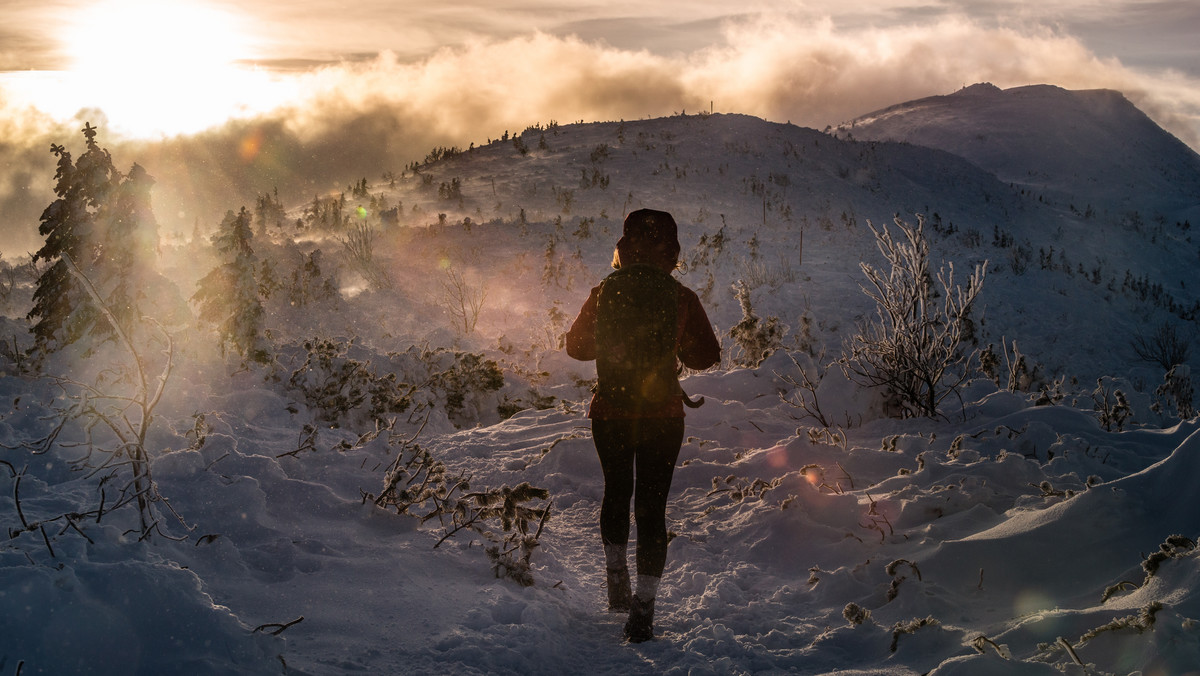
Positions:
{"x": 637, "y": 319}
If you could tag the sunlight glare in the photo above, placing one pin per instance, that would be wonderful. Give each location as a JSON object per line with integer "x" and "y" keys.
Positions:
{"x": 160, "y": 67}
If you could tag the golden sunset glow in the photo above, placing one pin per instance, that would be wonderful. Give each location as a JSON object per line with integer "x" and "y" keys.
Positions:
{"x": 158, "y": 67}
{"x": 170, "y": 67}
{"x": 301, "y": 92}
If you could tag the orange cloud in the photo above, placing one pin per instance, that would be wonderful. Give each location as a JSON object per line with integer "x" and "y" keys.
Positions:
{"x": 774, "y": 66}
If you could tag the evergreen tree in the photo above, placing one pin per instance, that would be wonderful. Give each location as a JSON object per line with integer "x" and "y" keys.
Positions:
{"x": 62, "y": 310}
{"x": 228, "y": 296}
{"x": 129, "y": 249}
{"x": 268, "y": 211}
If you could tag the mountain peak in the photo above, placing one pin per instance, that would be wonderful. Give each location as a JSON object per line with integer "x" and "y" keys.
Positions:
{"x": 1093, "y": 145}
{"x": 979, "y": 89}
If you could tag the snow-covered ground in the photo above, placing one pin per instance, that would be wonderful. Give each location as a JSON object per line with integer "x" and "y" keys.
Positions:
{"x": 1004, "y": 537}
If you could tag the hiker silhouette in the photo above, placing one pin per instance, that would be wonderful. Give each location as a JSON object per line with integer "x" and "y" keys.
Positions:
{"x": 638, "y": 325}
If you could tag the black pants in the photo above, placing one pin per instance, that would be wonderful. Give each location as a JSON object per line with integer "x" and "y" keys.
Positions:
{"x": 648, "y": 447}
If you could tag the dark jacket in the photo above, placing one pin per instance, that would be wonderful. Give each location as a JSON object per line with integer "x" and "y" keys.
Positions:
{"x": 698, "y": 349}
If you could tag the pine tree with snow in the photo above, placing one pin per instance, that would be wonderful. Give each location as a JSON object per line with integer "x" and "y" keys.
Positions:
{"x": 129, "y": 249}
{"x": 62, "y": 310}
{"x": 228, "y": 296}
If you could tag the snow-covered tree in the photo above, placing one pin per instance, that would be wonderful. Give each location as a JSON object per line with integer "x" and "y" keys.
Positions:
{"x": 62, "y": 310}
{"x": 228, "y": 296}
{"x": 129, "y": 248}
{"x": 103, "y": 224}
{"x": 269, "y": 212}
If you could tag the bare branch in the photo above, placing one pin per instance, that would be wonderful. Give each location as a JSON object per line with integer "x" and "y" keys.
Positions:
{"x": 280, "y": 628}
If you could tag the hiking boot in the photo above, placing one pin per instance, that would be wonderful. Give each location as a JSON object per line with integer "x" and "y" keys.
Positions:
{"x": 639, "y": 627}
{"x": 619, "y": 594}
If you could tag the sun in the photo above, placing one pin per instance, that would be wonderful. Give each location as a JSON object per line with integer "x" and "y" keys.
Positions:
{"x": 160, "y": 66}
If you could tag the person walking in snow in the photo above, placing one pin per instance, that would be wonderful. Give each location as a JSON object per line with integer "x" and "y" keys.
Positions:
{"x": 639, "y": 324}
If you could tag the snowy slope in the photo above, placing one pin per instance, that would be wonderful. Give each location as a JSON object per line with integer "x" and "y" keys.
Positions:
{"x": 967, "y": 544}
{"x": 1087, "y": 148}
{"x": 790, "y": 198}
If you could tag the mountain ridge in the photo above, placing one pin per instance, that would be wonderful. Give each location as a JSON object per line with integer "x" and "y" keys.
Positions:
{"x": 1094, "y": 146}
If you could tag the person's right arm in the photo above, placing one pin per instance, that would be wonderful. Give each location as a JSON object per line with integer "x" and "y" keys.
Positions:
{"x": 581, "y": 337}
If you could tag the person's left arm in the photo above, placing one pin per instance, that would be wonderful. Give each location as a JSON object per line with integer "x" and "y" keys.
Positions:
{"x": 698, "y": 345}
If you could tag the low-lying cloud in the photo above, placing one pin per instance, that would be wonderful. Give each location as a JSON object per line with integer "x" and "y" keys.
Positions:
{"x": 810, "y": 73}
{"x": 359, "y": 119}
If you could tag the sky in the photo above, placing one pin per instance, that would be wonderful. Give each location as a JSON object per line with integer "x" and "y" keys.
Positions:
{"x": 373, "y": 83}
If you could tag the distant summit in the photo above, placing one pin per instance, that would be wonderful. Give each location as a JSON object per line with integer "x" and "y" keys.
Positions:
{"x": 981, "y": 89}
{"x": 1092, "y": 146}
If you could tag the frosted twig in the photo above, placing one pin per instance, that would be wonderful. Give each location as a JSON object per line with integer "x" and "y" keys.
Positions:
{"x": 280, "y": 627}
{"x": 1070, "y": 651}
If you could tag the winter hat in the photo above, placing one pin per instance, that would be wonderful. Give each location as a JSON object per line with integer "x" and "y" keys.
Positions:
{"x": 649, "y": 226}
{"x": 649, "y": 237}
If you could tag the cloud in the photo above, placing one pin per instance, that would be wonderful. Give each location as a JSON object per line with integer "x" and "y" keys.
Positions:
{"x": 358, "y": 119}
{"x": 779, "y": 67}
{"x": 815, "y": 74}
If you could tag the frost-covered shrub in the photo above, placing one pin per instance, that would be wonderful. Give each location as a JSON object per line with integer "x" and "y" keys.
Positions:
{"x": 1174, "y": 547}
{"x": 510, "y": 554}
{"x": 910, "y": 627}
{"x": 462, "y": 300}
{"x": 1020, "y": 375}
{"x": 344, "y": 386}
{"x": 739, "y": 489}
{"x": 466, "y": 379}
{"x": 16, "y": 286}
{"x": 544, "y": 340}
{"x": 414, "y": 481}
{"x": 855, "y": 614}
{"x": 510, "y": 549}
{"x": 755, "y": 338}
{"x": 707, "y": 250}
{"x": 989, "y": 364}
{"x": 340, "y": 390}
{"x": 1163, "y": 346}
{"x": 1111, "y": 405}
{"x": 358, "y": 246}
{"x": 1174, "y": 396}
{"x": 1140, "y": 622}
{"x": 806, "y": 383}
{"x": 419, "y": 485}
{"x": 914, "y": 348}
{"x": 893, "y": 569}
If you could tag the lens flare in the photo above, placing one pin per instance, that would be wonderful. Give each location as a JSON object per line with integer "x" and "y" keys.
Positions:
{"x": 777, "y": 457}
{"x": 1027, "y": 602}
{"x": 250, "y": 146}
